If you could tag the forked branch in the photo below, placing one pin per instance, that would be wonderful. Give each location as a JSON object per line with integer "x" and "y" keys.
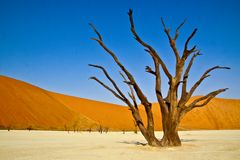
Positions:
{"x": 109, "y": 78}
{"x": 119, "y": 94}
{"x": 131, "y": 94}
{"x": 151, "y": 51}
{"x": 108, "y": 88}
{"x": 186, "y": 51}
{"x": 138, "y": 91}
{"x": 177, "y": 30}
{"x": 206, "y": 99}
{"x": 172, "y": 41}
{"x": 149, "y": 70}
{"x": 185, "y": 79}
{"x": 204, "y": 76}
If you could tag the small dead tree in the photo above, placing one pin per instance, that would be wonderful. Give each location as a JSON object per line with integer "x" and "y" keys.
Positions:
{"x": 100, "y": 129}
{"x": 29, "y": 128}
{"x": 74, "y": 126}
{"x": 89, "y": 129}
{"x": 106, "y": 129}
{"x": 9, "y": 127}
{"x": 172, "y": 107}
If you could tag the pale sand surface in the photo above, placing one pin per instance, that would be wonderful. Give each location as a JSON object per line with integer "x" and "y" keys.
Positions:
{"x": 41, "y": 145}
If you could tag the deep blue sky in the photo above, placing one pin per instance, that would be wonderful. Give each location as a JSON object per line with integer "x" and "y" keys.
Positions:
{"x": 47, "y": 43}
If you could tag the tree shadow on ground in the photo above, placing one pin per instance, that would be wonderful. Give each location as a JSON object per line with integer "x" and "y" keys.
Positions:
{"x": 188, "y": 140}
{"x": 144, "y": 144}
{"x": 133, "y": 142}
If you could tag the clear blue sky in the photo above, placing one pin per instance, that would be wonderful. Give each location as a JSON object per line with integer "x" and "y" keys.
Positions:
{"x": 47, "y": 43}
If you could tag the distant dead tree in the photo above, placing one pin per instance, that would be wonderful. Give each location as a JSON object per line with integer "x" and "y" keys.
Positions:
{"x": 65, "y": 127}
{"x": 74, "y": 126}
{"x": 29, "y": 128}
{"x": 106, "y": 129}
{"x": 89, "y": 129}
{"x": 9, "y": 127}
{"x": 172, "y": 107}
{"x": 100, "y": 129}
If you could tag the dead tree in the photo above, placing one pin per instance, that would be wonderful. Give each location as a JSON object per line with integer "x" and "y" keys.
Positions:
{"x": 172, "y": 107}
{"x": 100, "y": 129}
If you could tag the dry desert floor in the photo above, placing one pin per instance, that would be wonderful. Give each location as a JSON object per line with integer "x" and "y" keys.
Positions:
{"x": 47, "y": 145}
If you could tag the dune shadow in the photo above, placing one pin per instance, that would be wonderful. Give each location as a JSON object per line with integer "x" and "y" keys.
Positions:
{"x": 133, "y": 142}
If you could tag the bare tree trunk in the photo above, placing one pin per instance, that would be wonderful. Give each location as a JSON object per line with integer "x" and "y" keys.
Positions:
{"x": 146, "y": 132}
{"x": 170, "y": 131}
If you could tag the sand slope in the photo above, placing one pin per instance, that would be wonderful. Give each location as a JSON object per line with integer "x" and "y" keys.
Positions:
{"x": 23, "y": 105}
{"x": 114, "y": 117}
{"x": 218, "y": 114}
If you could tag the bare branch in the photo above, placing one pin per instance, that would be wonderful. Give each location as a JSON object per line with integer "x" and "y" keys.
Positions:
{"x": 149, "y": 70}
{"x": 95, "y": 30}
{"x": 151, "y": 51}
{"x": 189, "y": 38}
{"x": 131, "y": 94}
{"x": 205, "y": 75}
{"x": 158, "y": 91}
{"x": 139, "y": 92}
{"x": 133, "y": 109}
{"x": 185, "y": 78}
{"x": 187, "y": 52}
{"x": 178, "y": 28}
{"x": 109, "y": 78}
{"x": 108, "y": 88}
{"x": 166, "y": 30}
{"x": 207, "y": 99}
{"x": 157, "y": 84}
{"x": 172, "y": 40}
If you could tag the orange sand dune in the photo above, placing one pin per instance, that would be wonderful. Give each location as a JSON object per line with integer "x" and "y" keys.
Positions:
{"x": 23, "y": 105}
{"x": 114, "y": 117}
{"x": 218, "y": 114}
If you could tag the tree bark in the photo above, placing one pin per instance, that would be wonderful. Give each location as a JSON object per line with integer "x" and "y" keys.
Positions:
{"x": 170, "y": 131}
{"x": 146, "y": 132}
